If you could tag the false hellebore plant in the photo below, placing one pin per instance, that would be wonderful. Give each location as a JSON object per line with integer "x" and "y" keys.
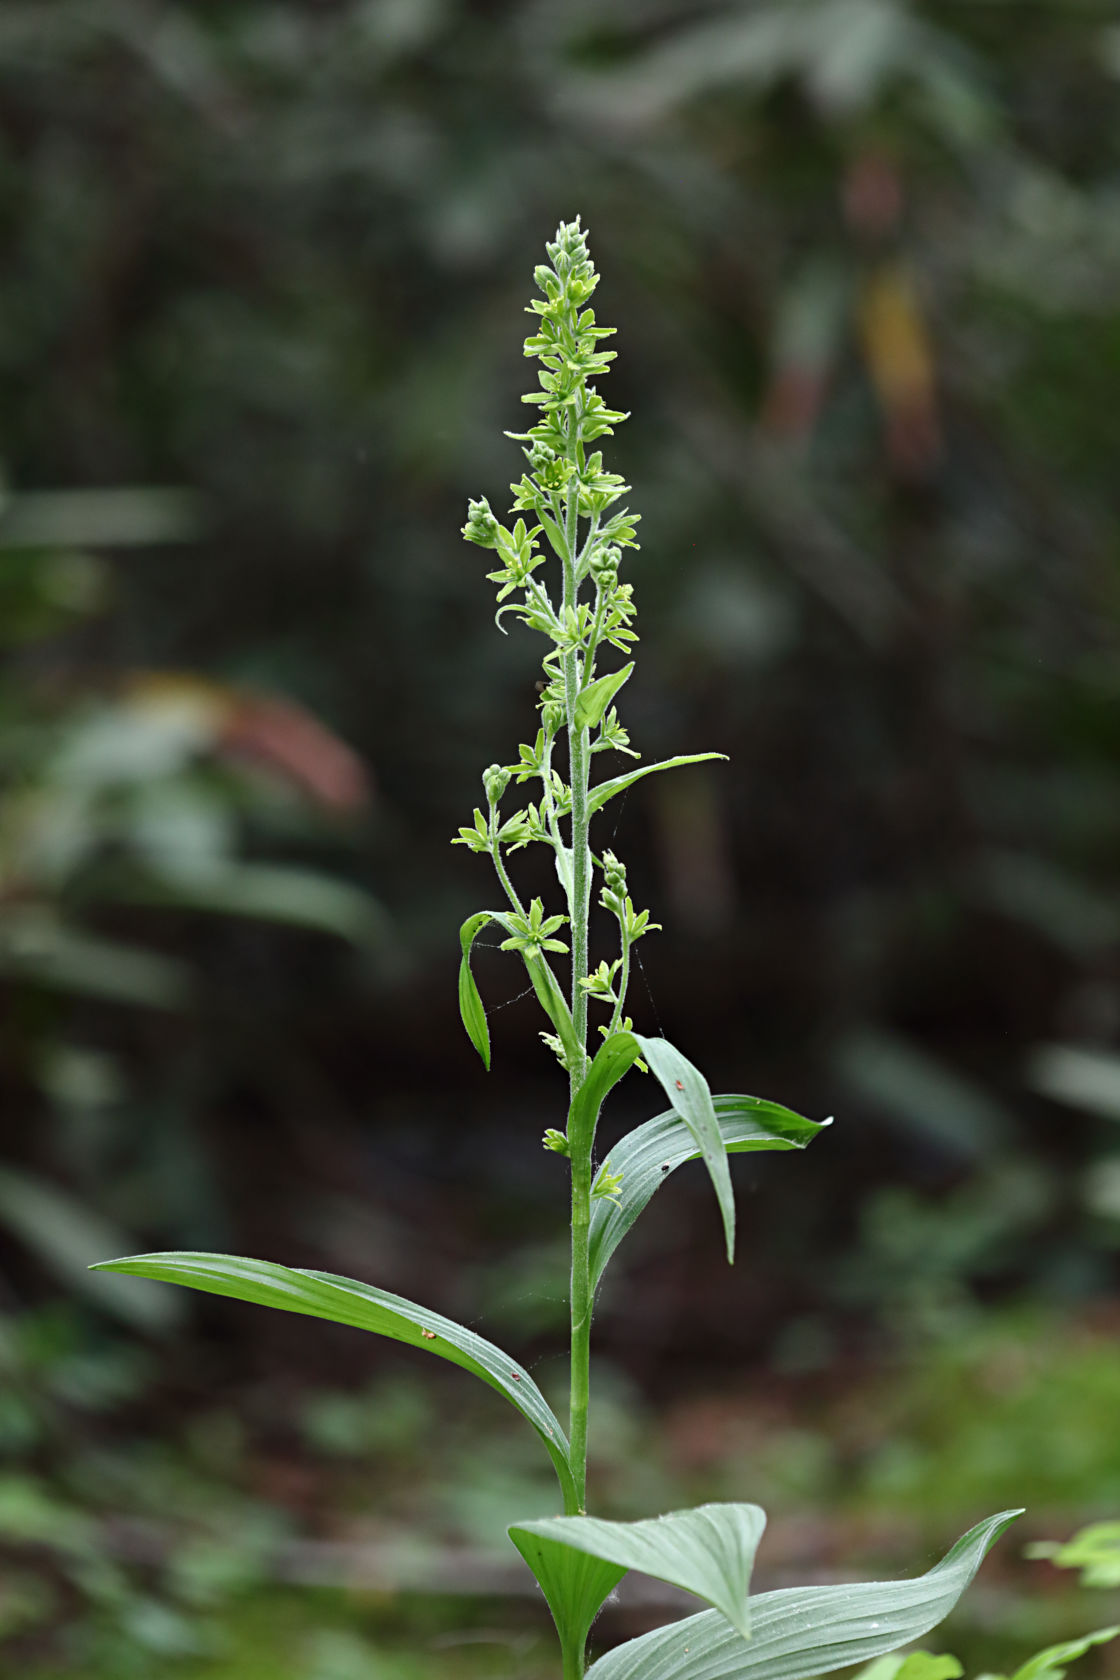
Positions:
{"x": 568, "y": 504}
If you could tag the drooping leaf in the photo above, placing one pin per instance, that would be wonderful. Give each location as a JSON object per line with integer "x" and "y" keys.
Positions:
{"x": 708, "y": 1551}
{"x": 606, "y": 790}
{"x": 649, "y": 1154}
{"x": 547, "y": 988}
{"x": 470, "y": 998}
{"x": 597, "y": 696}
{"x": 575, "y": 1585}
{"x": 543, "y": 980}
{"x": 346, "y": 1301}
{"x": 614, "y": 1057}
{"x": 801, "y": 1631}
{"x": 687, "y": 1090}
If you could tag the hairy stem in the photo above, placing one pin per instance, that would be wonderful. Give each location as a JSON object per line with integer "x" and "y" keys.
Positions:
{"x": 580, "y": 914}
{"x": 623, "y": 983}
{"x": 500, "y": 868}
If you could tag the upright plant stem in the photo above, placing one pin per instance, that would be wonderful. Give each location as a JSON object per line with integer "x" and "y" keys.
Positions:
{"x": 580, "y": 911}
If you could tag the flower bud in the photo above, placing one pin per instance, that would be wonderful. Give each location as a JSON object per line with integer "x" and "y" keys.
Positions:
{"x": 552, "y": 717}
{"x": 482, "y": 525}
{"x": 603, "y": 566}
{"x": 495, "y": 781}
{"x": 614, "y": 872}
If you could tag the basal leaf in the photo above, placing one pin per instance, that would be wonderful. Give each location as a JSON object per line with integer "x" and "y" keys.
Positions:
{"x": 346, "y": 1301}
{"x": 606, "y": 790}
{"x": 801, "y": 1631}
{"x": 470, "y": 998}
{"x": 574, "y": 1584}
{"x": 597, "y": 696}
{"x": 687, "y": 1090}
{"x": 649, "y": 1154}
{"x": 614, "y": 1057}
{"x": 708, "y": 1551}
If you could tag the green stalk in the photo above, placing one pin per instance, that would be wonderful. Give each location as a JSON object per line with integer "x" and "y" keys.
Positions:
{"x": 573, "y": 1662}
{"x": 623, "y": 982}
{"x": 578, "y": 757}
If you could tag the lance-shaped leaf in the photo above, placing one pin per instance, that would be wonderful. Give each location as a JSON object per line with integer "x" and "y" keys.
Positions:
{"x": 597, "y": 696}
{"x": 544, "y": 983}
{"x": 598, "y": 796}
{"x": 800, "y": 1631}
{"x": 687, "y": 1090}
{"x": 614, "y": 1057}
{"x": 574, "y": 1584}
{"x": 552, "y": 531}
{"x": 547, "y": 988}
{"x": 649, "y": 1154}
{"x": 346, "y": 1301}
{"x": 708, "y": 1551}
{"x": 471, "y": 1007}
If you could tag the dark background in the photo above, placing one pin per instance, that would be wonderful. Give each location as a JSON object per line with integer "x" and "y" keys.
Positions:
{"x": 260, "y": 324}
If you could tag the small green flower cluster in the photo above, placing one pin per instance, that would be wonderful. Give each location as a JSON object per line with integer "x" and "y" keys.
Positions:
{"x": 568, "y": 496}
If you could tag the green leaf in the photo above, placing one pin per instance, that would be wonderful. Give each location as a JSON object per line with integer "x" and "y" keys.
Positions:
{"x": 346, "y": 1301}
{"x": 597, "y": 696}
{"x": 547, "y": 988}
{"x": 1052, "y": 1663}
{"x": 687, "y": 1090}
{"x": 598, "y": 796}
{"x": 708, "y": 1551}
{"x": 918, "y": 1665}
{"x": 470, "y": 998}
{"x": 574, "y": 1584}
{"x": 649, "y": 1154}
{"x": 800, "y": 1631}
{"x": 554, "y": 534}
{"x": 614, "y": 1057}
{"x": 1094, "y": 1550}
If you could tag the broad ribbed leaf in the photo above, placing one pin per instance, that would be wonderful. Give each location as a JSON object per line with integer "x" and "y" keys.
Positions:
{"x": 470, "y": 998}
{"x": 597, "y": 696}
{"x": 687, "y": 1090}
{"x": 614, "y": 1057}
{"x": 598, "y": 796}
{"x": 574, "y": 1584}
{"x": 346, "y": 1301}
{"x": 708, "y": 1551}
{"x": 800, "y": 1631}
{"x": 649, "y": 1154}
